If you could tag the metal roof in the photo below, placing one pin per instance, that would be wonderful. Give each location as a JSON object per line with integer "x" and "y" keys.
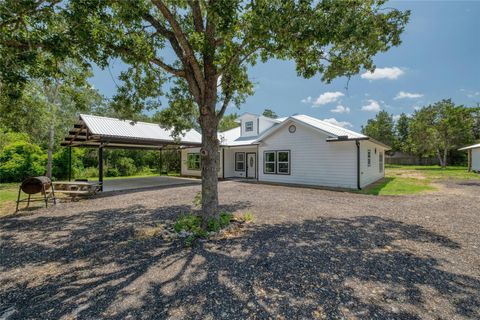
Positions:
{"x": 475, "y": 146}
{"x": 94, "y": 131}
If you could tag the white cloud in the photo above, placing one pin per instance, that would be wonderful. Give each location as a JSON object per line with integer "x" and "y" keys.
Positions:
{"x": 407, "y": 95}
{"x": 474, "y": 94}
{"x": 372, "y": 105}
{"x": 343, "y": 124}
{"x": 324, "y": 98}
{"x": 383, "y": 73}
{"x": 340, "y": 109}
{"x": 307, "y": 100}
{"x": 396, "y": 117}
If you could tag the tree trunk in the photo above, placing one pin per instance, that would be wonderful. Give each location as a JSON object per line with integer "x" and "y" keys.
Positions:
{"x": 445, "y": 153}
{"x": 209, "y": 163}
{"x": 440, "y": 159}
{"x": 51, "y": 143}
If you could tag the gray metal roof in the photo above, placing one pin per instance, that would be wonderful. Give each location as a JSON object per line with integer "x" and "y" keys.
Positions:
{"x": 93, "y": 131}
{"x": 475, "y": 146}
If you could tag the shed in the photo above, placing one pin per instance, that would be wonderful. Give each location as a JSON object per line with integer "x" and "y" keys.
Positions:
{"x": 473, "y": 157}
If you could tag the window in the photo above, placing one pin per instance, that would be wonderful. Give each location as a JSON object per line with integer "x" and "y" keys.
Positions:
{"x": 276, "y": 162}
{"x": 369, "y": 157}
{"x": 239, "y": 161}
{"x": 283, "y": 162}
{"x": 248, "y": 126}
{"x": 193, "y": 161}
{"x": 269, "y": 160}
{"x": 380, "y": 162}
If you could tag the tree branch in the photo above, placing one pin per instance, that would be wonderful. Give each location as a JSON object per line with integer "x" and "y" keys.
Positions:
{"x": 183, "y": 42}
{"x": 197, "y": 15}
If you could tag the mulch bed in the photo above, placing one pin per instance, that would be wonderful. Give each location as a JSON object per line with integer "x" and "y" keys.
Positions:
{"x": 309, "y": 254}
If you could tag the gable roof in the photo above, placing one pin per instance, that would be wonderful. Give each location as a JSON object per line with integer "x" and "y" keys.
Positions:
{"x": 331, "y": 130}
{"x": 112, "y": 127}
{"x": 93, "y": 131}
{"x": 475, "y": 146}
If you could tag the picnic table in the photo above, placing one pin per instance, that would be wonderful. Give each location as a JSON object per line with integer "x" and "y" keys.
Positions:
{"x": 77, "y": 188}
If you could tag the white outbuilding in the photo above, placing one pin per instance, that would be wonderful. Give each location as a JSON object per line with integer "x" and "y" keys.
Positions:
{"x": 473, "y": 157}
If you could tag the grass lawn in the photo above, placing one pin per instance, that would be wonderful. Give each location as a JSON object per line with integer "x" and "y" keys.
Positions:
{"x": 416, "y": 179}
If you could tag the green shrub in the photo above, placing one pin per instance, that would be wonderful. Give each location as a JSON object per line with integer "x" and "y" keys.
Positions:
{"x": 61, "y": 163}
{"x": 90, "y": 172}
{"x": 126, "y": 166}
{"x": 190, "y": 223}
{"x": 20, "y": 160}
{"x": 112, "y": 172}
{"x": 223, "y": 220}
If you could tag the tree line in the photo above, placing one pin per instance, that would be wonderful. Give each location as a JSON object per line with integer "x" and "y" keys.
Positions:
{"x": 436, "y": 130}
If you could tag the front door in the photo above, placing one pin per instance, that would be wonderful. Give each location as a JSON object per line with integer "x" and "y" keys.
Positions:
{"x": 251, "y": 165}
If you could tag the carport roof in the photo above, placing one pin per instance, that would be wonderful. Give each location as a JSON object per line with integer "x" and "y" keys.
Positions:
{"x": 96, "y": 131}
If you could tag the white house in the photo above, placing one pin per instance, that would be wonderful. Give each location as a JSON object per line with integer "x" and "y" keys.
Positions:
{"x": 473, "y": 157}
{"x": 299, "y": 150}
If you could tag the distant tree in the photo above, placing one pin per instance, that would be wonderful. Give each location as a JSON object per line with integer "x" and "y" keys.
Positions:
{"x": 269, "y": 113}
{"x": 47, "y": 108}
{"x": 476, "y": 121}
{"x": 439, "y": 128}
{"x": 402, "y": 133}
{"x": 228, "y": 122}
{"x": 381, "y": 128}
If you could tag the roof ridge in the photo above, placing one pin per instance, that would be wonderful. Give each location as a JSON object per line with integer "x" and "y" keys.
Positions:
{"x": 330, "y": 124}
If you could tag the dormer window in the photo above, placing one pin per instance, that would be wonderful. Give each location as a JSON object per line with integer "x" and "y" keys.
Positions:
{"x": 248, "y": 126}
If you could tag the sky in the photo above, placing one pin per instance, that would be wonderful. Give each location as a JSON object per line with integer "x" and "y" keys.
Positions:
{"x": 439, "y": 58}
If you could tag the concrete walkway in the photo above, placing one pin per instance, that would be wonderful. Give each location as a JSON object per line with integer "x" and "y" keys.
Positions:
{"x": 146, "y": 182}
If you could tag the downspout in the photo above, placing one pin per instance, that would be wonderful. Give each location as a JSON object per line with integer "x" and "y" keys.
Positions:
{"x": 357, "y": 143}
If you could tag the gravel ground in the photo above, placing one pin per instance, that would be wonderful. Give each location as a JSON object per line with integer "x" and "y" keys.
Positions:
{"x": 309, "y": 254}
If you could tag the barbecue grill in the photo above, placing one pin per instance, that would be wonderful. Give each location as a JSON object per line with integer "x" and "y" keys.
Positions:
{"x": 34, "y": 185}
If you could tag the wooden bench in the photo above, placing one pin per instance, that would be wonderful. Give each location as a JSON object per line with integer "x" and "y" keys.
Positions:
{"x": 77, "y": 188}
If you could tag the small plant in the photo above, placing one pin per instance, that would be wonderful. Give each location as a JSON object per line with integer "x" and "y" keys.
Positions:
{"x": 197, "y": 200}
{"x": 189, "y": 223}
{"x": 190, "y": 226}
{"x": 248, "y": 216}
{"x": 220, "y": 223}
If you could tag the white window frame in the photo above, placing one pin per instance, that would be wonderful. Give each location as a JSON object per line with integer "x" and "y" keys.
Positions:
{"x": 248, "y": 128}
{"x": 276, "y": 163}
{"x": 283, "y": 162}
{"x": 240, "y": 161}
{"x": 369, "y": 158}
{"x": 265, "y": 162}
{"x": 194, "y": 154}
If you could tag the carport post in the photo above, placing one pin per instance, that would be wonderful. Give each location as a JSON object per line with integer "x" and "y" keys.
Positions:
{"x": 100, "y": 167}
{"x": 160, "y": 161}
{"x": 69, "y": 163}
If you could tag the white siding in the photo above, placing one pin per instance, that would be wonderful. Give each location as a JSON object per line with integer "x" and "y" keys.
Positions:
{"x": 370, "y": 174}
{"x": 247, "y": 118}
{"x": 230, "y": 161}
{"x": 314, "y": 161}
{"x": 476, "y": 159}
{"x": 194, "y": 173}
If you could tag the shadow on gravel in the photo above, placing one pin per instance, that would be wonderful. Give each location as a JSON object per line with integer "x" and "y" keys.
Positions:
{"x": 90, "y": 266}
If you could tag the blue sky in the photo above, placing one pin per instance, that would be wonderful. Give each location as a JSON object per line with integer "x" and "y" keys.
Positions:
{"x": 439, "y": 58}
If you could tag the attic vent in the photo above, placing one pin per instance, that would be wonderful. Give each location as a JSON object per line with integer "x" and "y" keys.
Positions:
{"x": 342, "y": 138}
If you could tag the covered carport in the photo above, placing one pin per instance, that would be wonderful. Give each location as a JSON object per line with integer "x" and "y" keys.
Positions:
{"x": 99, "y": 132}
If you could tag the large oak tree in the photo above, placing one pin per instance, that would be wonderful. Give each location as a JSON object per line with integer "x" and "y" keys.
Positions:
{"x": 203, "y": 50}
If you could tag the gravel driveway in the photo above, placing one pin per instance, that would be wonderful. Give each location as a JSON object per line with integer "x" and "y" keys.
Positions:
{"x": 309, "y": 254}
